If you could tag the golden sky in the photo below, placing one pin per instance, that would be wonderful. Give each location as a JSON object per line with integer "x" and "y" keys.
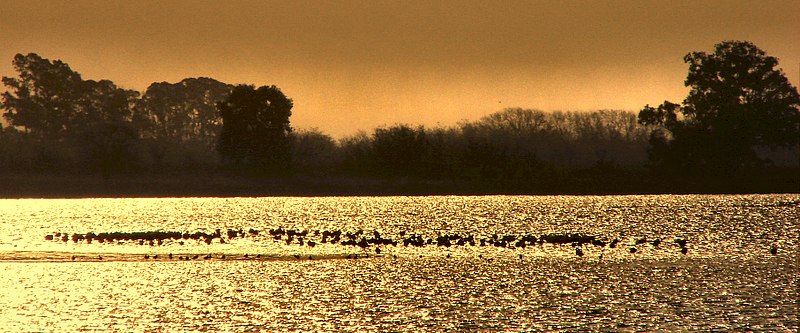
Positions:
{"x": 351, "y": 65}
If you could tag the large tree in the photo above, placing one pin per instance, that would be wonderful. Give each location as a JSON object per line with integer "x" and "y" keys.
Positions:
{"x": 255, "y": 128}
{"x": 52, "y": 101}
{"x": 183, "y": 112}
{"x": 44, "y": 98}
{"x": 55, "y": 106}
{"x": 738, "y": 100}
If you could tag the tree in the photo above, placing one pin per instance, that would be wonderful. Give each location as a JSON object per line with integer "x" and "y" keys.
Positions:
{"x": 45, "y": 98}
{"x": 399, "y": 150}
{"x": 255, "y": 128}
{"x": 52, "y": 101}
{"x": 183, "y": 112}
{"x": 738, "y": 101}
{"x": 313, "y": 152}
{"x": 64, "y": 113}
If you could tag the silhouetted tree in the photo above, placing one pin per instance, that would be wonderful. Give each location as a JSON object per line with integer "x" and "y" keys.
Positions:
{"x": 355, "y": 154}
{"x": 737, "y": 101}
{"x": 399, "y": 150}
{"x": 104, "y": 129}
{"x": 313, "y": 152}
{"x": 79, "y": 123}
{"x": 183, "y": 112}
{"x": 255, "y": 128}
{"x": 44, "y": 99}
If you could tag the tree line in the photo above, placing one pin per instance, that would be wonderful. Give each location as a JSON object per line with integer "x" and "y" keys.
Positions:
{"x": 741, "y": 115}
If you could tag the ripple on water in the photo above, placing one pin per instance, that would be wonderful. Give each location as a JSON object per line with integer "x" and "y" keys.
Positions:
{"x": 382, "y": 294}
{"x": 728, "y": 280}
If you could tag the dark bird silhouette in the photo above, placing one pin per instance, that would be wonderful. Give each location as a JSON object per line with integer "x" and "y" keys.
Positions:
{"x": 773, "y": 250}
{"x": 579, "y": 252}
{"x": 684, "y": 250}
{"x": 633, "y": 249}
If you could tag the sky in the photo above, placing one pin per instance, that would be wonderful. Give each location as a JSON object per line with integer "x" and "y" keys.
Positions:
{"x": 357, "y": 65}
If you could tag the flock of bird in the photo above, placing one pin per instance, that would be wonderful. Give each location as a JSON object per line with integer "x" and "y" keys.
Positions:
{"x": 358, "y": 239}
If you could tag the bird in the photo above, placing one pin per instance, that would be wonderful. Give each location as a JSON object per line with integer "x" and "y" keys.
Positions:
{"x": 773, "y": 250}
{"x": 633, "y": 249}
{"x": 579, "y": 252}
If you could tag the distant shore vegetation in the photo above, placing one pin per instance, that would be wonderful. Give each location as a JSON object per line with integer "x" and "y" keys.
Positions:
{"x": 737, "y": 131}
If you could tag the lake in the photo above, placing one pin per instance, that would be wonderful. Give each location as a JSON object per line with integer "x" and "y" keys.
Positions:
{"x": 426, "y": 264}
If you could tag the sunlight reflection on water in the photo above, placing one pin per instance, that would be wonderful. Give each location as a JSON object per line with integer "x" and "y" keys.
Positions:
{"x": 727, "y": 281}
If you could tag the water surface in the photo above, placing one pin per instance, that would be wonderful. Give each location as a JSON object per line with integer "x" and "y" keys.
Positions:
{"x": 727, "y": 280}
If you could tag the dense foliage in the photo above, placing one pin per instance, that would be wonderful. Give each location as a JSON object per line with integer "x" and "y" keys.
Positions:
{"x": 738, "y": 101}
{"x": 62, "y": 124}
{"x": 255, "y": 131}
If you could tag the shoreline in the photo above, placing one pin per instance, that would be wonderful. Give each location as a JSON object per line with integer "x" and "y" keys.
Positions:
{"x": 21, "y": 186}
